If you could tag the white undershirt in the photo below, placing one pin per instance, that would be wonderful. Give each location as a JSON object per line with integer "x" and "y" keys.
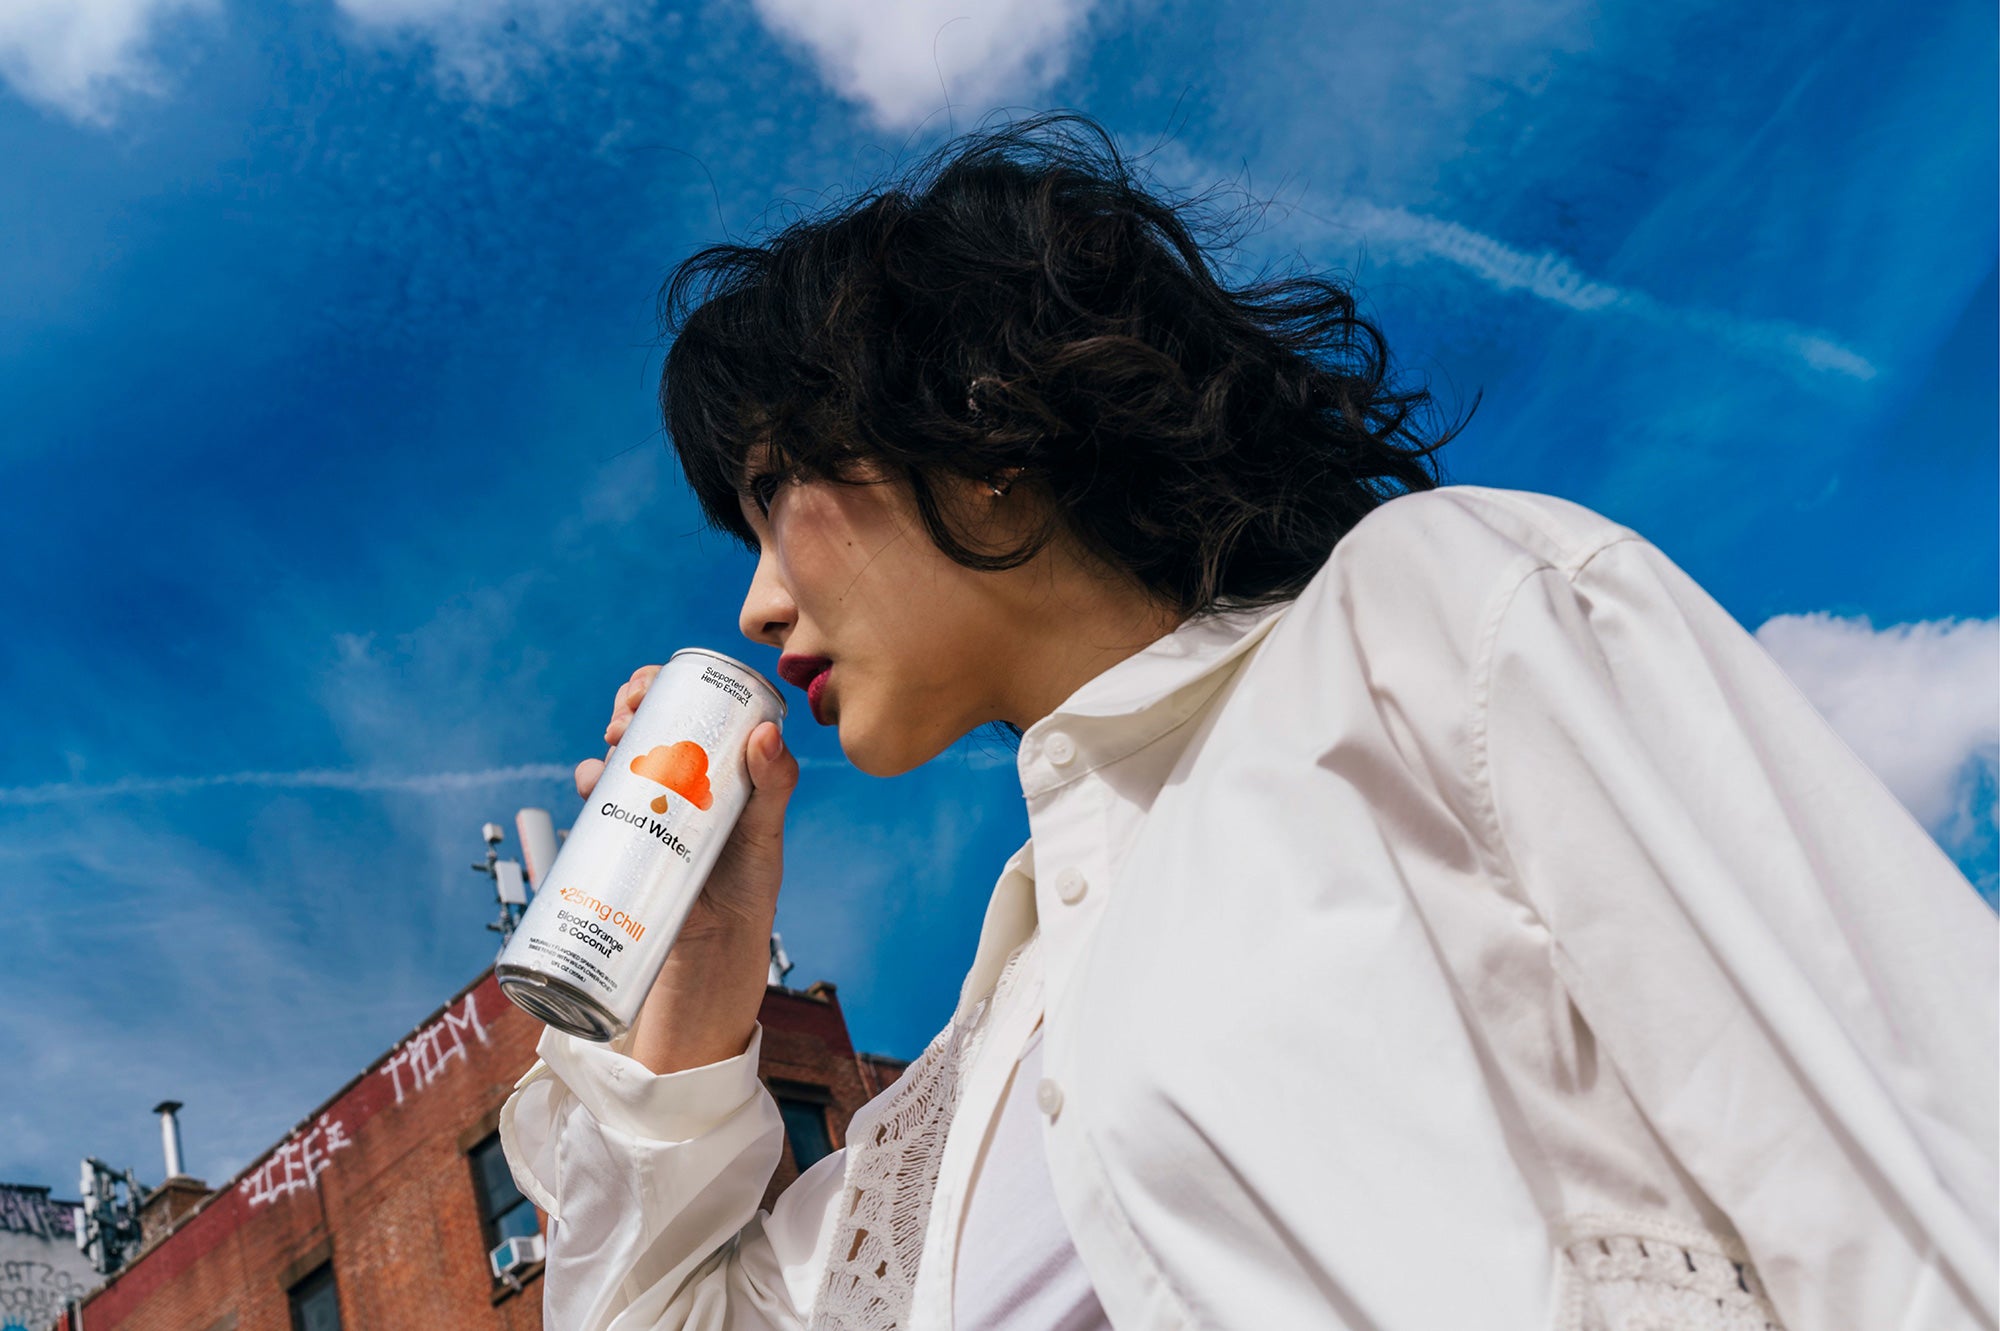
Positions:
{"x": 1017, "y": 1270}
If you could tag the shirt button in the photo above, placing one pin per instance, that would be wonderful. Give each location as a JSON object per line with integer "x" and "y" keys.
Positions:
{"x": 1048, "y": 1097}
{"x": 1061, "y": 748}
{"x": 1070, "y": 887}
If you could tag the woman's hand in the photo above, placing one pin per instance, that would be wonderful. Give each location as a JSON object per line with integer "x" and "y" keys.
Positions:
{"x": 704, "y": 1005}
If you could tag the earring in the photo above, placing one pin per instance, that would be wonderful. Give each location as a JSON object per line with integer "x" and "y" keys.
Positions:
{"x": 1012, "y": 472}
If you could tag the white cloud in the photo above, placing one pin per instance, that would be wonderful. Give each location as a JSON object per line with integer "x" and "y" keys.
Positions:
{"x": 900, "y": 58}
{"x": 1920, "y": 703}
{"x": 80, "y": 56}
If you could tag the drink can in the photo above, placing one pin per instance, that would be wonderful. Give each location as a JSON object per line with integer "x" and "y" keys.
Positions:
{"x": 592, "y": 942}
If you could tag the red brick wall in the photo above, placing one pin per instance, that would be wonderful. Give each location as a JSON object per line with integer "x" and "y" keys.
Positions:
{"x": 806, "y": 1042}
{"x": 878, "y": 1071}
{"x": 379, "y": 1181}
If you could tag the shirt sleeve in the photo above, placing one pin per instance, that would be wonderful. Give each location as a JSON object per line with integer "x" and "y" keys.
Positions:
{"x": 651, "y": 1183}
{"x": 1794, "y": 982}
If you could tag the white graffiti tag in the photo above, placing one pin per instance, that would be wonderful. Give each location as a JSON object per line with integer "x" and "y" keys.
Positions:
{"x": 424, "y": 1058}
{"x": 298, "y": 1163}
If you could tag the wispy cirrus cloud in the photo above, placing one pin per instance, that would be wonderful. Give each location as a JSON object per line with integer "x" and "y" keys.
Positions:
{"x": 483, "y": 49}
{"x": 229, "y": 943}
{"x": 82, "y": 57}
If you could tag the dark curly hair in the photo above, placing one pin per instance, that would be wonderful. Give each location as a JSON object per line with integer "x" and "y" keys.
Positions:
{"x": 1018, "y": 299}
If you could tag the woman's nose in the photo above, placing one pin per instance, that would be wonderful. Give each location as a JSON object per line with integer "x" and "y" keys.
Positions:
{"x": 768, "y": 613}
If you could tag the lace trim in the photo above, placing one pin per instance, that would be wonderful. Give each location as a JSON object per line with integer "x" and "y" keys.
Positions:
{"x": 1628, "y": 1274}
{"x": 895, "y": 1144}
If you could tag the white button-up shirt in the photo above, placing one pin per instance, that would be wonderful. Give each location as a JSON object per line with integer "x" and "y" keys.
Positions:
{"x": 1491, "y": 937}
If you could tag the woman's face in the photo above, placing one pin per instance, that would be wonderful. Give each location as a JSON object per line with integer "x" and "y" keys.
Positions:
{"x": 921, "y": 650}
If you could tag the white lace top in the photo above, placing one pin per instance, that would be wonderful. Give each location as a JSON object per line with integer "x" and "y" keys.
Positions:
{"x": 1016, "y": 1268}
{"x": 1492, "y": 937}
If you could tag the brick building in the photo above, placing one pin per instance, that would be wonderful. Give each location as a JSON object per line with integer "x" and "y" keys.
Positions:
{"x": 380, "y": 1209}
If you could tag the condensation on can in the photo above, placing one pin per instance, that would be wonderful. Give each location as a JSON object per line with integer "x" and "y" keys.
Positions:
{"x": 593, "y": 940}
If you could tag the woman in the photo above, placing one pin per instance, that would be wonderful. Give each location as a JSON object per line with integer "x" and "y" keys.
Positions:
{"x": 1438, "y": 914}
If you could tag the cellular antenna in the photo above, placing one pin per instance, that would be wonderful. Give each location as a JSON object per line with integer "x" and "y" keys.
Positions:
{"x": 110, "y": 1231}
{"x": 508, "y": 884}
{"x": 538, "y": 843}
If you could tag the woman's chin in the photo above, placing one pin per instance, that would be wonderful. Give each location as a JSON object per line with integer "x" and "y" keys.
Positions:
{"x": 875, "y": 758}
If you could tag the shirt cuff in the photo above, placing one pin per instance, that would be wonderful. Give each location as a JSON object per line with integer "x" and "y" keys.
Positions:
{"x": 617, "y": 1092}
{"x": 624, "y": 1094}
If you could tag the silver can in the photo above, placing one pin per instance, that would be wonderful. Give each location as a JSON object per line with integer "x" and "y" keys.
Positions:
{"x": 594, "y": 939}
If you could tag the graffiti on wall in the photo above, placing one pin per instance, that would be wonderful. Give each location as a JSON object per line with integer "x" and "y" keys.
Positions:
{"x": 413, "y": 1068}
{"x": 29, "y": 1211}
{"x": 296, "y": 1164}
{"x": 425, "y": 1056}
{"x": 34, "y": 1293}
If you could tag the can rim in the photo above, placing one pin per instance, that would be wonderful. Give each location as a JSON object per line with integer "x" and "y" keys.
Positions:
{"x": 750, "y": 670}
{"x": 557, "y": 1003}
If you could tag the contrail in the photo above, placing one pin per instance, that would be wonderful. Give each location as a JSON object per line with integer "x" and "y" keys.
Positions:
{"x": 414, "y": 783}
{"x": 420, "y": 783}
{"x": 1551, "y": 277}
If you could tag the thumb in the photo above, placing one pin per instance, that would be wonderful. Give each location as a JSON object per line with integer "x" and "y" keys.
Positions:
{"x": 774, "y": 774}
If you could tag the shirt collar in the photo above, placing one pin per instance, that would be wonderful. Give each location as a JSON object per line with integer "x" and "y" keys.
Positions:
{"x": 1010, "y": 919}
{"x": 1121, "y": 710}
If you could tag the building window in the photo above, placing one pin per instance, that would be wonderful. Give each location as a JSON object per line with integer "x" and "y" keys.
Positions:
{"x": 804, "y": 1111}
{"x": 503, "y": 1212}
{"x": 315, "y": 1302}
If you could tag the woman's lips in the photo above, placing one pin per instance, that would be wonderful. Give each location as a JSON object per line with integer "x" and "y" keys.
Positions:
{"x": 815, "y": 690}
{"x": 807, "y": 673}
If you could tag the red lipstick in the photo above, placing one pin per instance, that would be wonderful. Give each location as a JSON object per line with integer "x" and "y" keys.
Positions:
{"x": 808, "y": 673}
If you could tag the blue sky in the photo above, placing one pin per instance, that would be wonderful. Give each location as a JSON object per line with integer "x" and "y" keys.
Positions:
{"x": 336, "y": 507}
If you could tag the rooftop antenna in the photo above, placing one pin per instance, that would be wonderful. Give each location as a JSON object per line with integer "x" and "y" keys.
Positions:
{"x": 781, "y": 965}
{"x": 537, "y": 832}
{"x": 508, "y": 884}
{"x": 110, "y": 1229}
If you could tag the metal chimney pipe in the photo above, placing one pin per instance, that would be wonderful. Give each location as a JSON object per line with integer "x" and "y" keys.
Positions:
{"x": 170, "y": 1134}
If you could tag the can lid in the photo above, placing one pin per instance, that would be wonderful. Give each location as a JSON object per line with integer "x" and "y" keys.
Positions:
{"x": 552, "y": 1005}
{"x": 751, "y": 671}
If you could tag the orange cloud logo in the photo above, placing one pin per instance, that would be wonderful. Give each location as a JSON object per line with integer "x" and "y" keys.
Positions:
{"x": 681, "y": 768}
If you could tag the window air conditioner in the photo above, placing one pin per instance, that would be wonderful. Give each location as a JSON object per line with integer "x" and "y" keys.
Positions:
{"x": 515, "y": 1254}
